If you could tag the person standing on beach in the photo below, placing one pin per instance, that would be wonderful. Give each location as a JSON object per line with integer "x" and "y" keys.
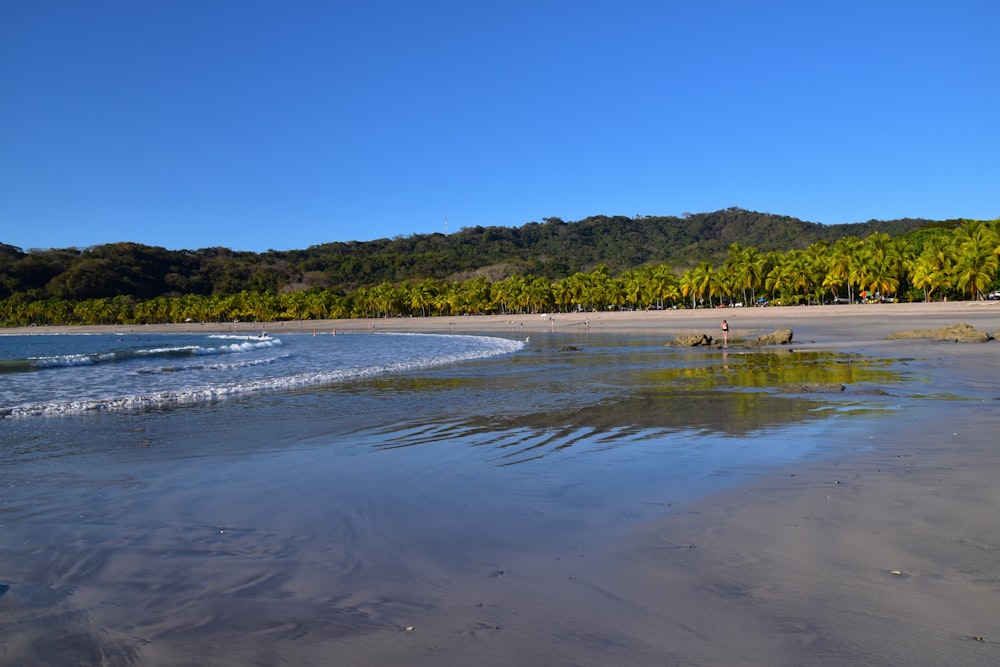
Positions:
{"x": 725, "y": 334}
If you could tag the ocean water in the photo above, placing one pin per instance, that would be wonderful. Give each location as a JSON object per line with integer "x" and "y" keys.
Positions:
{"x": 60, "y": 374}
{"x": 371, "y": 498}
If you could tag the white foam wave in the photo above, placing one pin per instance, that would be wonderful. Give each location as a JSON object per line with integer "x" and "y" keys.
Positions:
{"x": 65, "y": 360}
{"x": 240, "y": 337}
{"x": 245, "y": 346}
{"x": 250, "y": 363}
{"x": 71, "y": 360}
{"x": 493, "y": 347}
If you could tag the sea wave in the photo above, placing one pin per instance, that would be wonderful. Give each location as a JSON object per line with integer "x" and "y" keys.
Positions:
{"x": 472, "y": 348}
{"x": 180, "y": 368}
{"x": 118, "y": 356}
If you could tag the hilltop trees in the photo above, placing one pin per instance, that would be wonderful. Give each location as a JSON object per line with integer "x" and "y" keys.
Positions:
{"x": 553, "y": 250}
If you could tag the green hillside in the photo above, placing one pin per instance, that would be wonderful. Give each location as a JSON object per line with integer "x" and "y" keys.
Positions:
{"x": 552, "y": 249}
{"x": 600, "y": 263}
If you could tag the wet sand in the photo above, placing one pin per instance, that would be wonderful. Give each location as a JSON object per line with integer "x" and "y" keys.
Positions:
{"x": 890, "y": 556}
{"x": 882, "y": 548}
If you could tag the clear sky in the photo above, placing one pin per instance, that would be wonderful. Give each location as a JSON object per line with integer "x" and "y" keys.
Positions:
{"x": 277, "y": 125}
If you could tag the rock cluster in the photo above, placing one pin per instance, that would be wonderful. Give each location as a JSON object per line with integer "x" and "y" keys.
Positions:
{"x": 958, "y": 333}
{"x": 779, "y": 337}
{"x": 692, "y": 340}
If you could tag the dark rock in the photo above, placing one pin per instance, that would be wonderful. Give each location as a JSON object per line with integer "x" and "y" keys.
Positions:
{"x": 812, "y": 388}
{"x": 873, "y": 392}
{"x": 692, "y": 340}
{"x": 779, "y": 337}
{"x": 958, "y": 333}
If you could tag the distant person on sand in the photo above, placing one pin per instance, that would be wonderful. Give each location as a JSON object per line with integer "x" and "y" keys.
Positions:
{"x": 725, "y": 334}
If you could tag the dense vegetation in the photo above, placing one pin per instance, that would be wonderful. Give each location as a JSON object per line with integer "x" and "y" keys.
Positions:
{"x": 594, "y": 264}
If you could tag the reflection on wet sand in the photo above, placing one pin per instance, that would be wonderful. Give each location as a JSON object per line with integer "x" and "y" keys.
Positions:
{"x": 737, "y": 396}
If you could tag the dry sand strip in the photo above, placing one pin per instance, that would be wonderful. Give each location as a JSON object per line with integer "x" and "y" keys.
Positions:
{"x": 837, "y": 323}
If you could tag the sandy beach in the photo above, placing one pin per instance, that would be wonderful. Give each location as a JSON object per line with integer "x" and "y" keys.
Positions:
{"x": 837, "y": 323}
{"x": 883, "y": 548}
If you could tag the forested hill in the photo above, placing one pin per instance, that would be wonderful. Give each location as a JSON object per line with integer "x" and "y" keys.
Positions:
{"x": 551, "y": 249}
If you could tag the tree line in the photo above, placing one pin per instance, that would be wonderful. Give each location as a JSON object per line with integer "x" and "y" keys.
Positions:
{"x": 957, "y": 260}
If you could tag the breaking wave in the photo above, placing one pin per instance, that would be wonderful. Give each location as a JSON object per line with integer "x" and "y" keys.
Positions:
{"x": 380, "y": 354}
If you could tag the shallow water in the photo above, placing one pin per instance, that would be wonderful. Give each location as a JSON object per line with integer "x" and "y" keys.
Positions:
{"x": 317, "y": 523}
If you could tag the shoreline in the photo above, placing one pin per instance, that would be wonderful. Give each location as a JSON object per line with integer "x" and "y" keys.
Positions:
{"x": 828, "y": 322}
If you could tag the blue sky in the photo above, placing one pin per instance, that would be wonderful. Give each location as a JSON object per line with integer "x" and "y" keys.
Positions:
{"x": 279, "y": 125}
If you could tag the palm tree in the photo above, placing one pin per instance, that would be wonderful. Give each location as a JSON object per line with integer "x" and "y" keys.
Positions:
{"x": 476, "y": 295}
{"x": 780, "y": 278}
{"x": 538, "y": 293}
{"x": 687, "y": 287}
{"x": 899, "y": 253}
{"x": 635, "y": 285}
{"x": 880, "y": 269}
{"x": 978, "y": 252}
{"x": 562, "y": 294}
{"x": 798, "y": 272}
{"x": 746, "y": 266}
{"x": 575, "y": 288}
{"x": 705, "y": 282}
{"x": 930, "y": 265}
{"x": 599, "y": 287}
{"x": 817, "y": 257}
{"x": 422, "y": 296}
{"x": 832, "y": 283}
{"x": 843, "y": 258}
{"x": 615, "y": 293}
{"x": 731, "y": 269}
{"x": 926, "y": 275}
{"x": 664, "y": 285}
{"x": 363, "y": 302}
{"x": 507, "y": 294}
{"x": 861, "y": 268}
